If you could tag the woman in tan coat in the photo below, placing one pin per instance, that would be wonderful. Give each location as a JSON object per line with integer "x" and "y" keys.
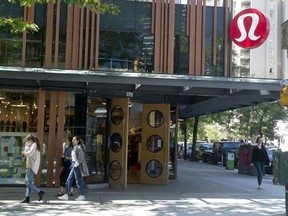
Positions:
{"x": 32, "y": 155}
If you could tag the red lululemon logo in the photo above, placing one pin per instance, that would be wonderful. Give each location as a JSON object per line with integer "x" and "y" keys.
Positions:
{"x": 249, "y": 28}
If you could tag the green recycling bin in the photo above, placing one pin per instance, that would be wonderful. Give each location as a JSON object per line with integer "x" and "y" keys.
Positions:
{"x": 230, "y": 160}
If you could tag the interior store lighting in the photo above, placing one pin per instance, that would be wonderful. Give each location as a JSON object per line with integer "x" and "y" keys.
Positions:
{"x": 2, "y": 96}
{"x": 20, "y": 104}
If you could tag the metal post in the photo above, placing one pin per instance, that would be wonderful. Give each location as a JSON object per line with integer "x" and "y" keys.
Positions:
{"x": 286, "y": 198}
{"x": 185, "y": 140}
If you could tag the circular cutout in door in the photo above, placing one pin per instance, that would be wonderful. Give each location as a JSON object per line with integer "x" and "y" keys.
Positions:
{"x": 117, "y": 115}
{"x": 155, "y": 118}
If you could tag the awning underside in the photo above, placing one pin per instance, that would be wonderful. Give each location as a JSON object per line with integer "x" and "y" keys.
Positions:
{"x": 195, "y": 95}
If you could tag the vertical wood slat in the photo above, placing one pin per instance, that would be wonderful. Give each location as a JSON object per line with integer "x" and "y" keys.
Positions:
{"x": 162, "y": 29}
{"x": 57, "y": 33}
{"x": 69, "y": 37}
{"x": 198, "y": 37}
{"x": 40, "y": 130}
{"x": 60, "y": 136}
{"x": 51, "y": 146}
{"x": 230, "y": 47}
{"x": 203, "y": 37}
{"x": 226, "y": 39}
{"x": 86, "y": 39}
{"x": 97, "y": 40}
{"x": 92, "y": 41}
{"x": 165, "y": 36}
{"x": 157, "y": 37}
{"x": 81, "y": 38}
{"x": 171, "y": 37}
{"x": 23, "y": 61}
{"x": 192, "y": 37}
{"x": 31, "y": 14}
{"x": 214, "y": 42}
{"x": 75, "y": 47}
{"x": 49, "y": 34}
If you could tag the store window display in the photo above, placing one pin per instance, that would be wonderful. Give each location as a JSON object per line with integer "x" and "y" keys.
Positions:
{"x": 95, "y": 139}
{"x": 15, "y": 111}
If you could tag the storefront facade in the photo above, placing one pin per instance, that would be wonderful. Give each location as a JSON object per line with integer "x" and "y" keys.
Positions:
{"x": 116, "y": 81}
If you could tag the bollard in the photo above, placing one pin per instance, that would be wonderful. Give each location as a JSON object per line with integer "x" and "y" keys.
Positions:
{"x": 286, "y": 198}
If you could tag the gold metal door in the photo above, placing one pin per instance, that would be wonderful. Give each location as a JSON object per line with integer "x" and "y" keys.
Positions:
{"x": 155, "y": 144}
{"x": 118, "y": 143}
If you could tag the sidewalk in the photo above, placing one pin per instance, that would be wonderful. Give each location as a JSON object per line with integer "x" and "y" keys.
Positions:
{"x": 201, "y": 189}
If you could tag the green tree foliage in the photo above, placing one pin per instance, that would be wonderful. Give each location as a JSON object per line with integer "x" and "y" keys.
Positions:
{"x": 18, "y": 25}
{"x": 248, "y": 123}
{"x": 259, "y": 120}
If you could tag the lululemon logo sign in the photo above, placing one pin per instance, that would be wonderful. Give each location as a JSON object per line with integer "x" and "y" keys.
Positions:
{"x": 249, "y": 28}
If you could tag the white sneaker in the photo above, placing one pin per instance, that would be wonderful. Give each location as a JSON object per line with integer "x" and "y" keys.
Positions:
{"x": 80, "y": 198}
{"x": 64, "y": 197}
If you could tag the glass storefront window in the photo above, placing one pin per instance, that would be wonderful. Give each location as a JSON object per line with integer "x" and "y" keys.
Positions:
{"x": 154, "y": 168}
{"x": 155, "y": 118}
{"x": 126, "y": 51}
{"x": 117, "y": 115}
{"x": 154, "y": 143}
{"x": 18, "y": 117}
{"x": 115, "y": 170}
{"x": 96, "y": 139}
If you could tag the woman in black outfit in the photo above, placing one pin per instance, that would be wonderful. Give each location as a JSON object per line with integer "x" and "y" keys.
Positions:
{"x": 66, "y": 163}
{"x": 260, "y": 159}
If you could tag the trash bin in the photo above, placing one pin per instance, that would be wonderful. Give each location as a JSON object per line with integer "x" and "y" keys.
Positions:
{"x": 230, "y": 160}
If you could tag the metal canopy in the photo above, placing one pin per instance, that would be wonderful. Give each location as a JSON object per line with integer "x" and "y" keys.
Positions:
{"x": 196, "y": 95}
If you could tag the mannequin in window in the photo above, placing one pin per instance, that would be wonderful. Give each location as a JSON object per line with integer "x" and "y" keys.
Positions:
{"x": 13, "y": 127}
{"x": 24, "y": 126}
{"x": 8, "y": 124}
{"x": 2, "y": 125}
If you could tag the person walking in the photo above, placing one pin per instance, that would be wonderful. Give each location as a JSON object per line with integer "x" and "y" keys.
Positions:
{"x": 66, "y": 163}
{"x": 259, "y": 159}
{"x": 78, "y": 171}
{"x": 32, "y": 155}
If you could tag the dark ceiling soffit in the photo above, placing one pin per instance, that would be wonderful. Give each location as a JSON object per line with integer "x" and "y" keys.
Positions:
{"x": 220, "y": 104}
{"x": 112, "y": 77}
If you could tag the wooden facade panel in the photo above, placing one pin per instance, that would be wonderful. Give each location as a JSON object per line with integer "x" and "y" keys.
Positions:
{"x": 198, "y": 51}
{"x": 81, "y": 39}
{"x": 97, "y": 41}
{"x": 69, "y": 38}
{"x": 203, "y": 38}
{"x": 92, "y": 38}
{"x": 86, "y": 57}
{"x": 171, "y": 37}
{"x": 76, "y": 27}
{"x": 57, "y": 30}
{"x": 60, "y": 136}
{"x": 230, "y": 46}
{"x": 226, "y": 39}
{"x": 40, "y": 128}
{"x": 192, "y": 36}
{"x": 51, "y": 146}
{"x": 163, "y": 28}
{"x": 49, "y": 34}
{"x": 83, "y": 36}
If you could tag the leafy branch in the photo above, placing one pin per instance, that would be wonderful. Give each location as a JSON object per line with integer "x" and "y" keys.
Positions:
{"x": 18, "y": 25}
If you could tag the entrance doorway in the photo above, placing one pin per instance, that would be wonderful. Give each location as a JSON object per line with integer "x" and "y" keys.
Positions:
{"x": 139, "y": 143}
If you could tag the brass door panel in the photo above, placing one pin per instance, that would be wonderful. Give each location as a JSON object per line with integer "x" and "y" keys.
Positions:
{"x": 155, "y": 144}
{"x": 118, "y": 143}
